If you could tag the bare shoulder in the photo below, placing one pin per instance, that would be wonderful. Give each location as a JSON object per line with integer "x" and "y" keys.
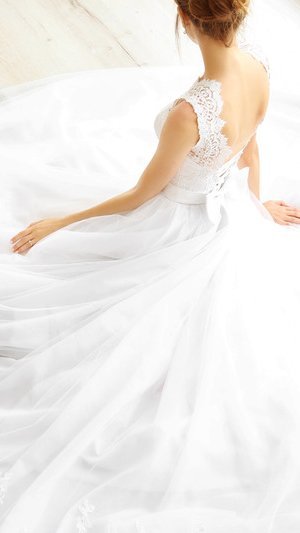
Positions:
{"x": 183, "y": 112}
{"x": 182, "y": 120}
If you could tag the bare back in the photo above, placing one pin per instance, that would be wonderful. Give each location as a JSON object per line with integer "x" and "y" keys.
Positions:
{"x": 245, "y": 94}
{"x": 224, "y": 115}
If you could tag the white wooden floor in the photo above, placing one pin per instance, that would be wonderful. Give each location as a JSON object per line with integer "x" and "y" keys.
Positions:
{"x": 39, "y": 38}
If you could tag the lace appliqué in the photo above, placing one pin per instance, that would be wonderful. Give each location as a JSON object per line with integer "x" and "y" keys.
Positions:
{"x": 212, "y": 148}
{"x": 200, "y": 167}
{"x": 3, "y": 485}
{"x": 83, "y": 521}
{"x": 205, "y": 169}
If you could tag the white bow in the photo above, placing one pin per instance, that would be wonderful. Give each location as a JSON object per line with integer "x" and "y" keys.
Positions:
{"x": 235, "y": 185}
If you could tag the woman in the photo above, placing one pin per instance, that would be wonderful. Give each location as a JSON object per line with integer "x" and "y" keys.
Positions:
{"x": 150, "y": 343}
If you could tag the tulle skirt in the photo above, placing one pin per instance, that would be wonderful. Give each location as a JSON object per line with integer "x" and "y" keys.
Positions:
{"x": 149, "y": 359}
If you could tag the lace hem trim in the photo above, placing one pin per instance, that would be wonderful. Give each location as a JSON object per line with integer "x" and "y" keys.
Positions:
{"x": 85, "y": 508}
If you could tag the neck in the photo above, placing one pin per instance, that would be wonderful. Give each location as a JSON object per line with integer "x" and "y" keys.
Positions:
{"x": 217, "y": 57}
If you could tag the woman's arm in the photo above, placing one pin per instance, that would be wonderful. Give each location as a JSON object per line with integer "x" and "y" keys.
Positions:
{"x": 178, "y": 136}
{"x": 281, "y": 212}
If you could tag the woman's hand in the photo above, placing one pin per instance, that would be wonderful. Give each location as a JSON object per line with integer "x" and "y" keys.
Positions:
{"x": 283, "y": 213}
{"x": 36, "y": 231}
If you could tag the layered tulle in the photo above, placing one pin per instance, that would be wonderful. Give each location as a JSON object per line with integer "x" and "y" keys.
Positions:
{"x": 156, "y": 391}
{"x": 149, "y": 360}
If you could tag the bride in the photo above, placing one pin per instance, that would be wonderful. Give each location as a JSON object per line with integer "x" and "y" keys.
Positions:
{"x": 150, "y": 347}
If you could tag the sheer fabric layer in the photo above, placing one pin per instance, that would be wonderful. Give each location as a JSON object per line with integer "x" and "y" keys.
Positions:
{"x": 149, "y": 360}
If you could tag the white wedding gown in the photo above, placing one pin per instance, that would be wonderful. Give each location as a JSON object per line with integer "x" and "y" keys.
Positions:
{"x": 150, "y": 369}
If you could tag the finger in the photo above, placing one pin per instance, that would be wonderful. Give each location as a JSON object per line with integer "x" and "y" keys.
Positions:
{"x": 21, "y": 234}
{"x": 16, "y": 245}
{"x": 293, "y": 211}
{"x": 293, "y": 220}
{"x": 25, "y": 247}
{"x": 22, "y": 242}
{"x": 282, "y": 222}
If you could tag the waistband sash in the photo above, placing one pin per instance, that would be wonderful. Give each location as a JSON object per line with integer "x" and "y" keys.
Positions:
{"x": 187, "y": 196}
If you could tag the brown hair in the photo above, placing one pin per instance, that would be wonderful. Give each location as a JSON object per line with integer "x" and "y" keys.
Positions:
{"x": 218, "y": 19}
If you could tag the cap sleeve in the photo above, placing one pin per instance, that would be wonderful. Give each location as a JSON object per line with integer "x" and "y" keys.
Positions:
{"x": 212, "y": 148}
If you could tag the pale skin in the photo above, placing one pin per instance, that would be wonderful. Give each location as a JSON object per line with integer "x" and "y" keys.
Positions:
{"x": 236, "y": 71}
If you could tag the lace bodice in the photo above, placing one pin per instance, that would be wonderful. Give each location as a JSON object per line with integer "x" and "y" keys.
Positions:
{"x": 207, "y": 165}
